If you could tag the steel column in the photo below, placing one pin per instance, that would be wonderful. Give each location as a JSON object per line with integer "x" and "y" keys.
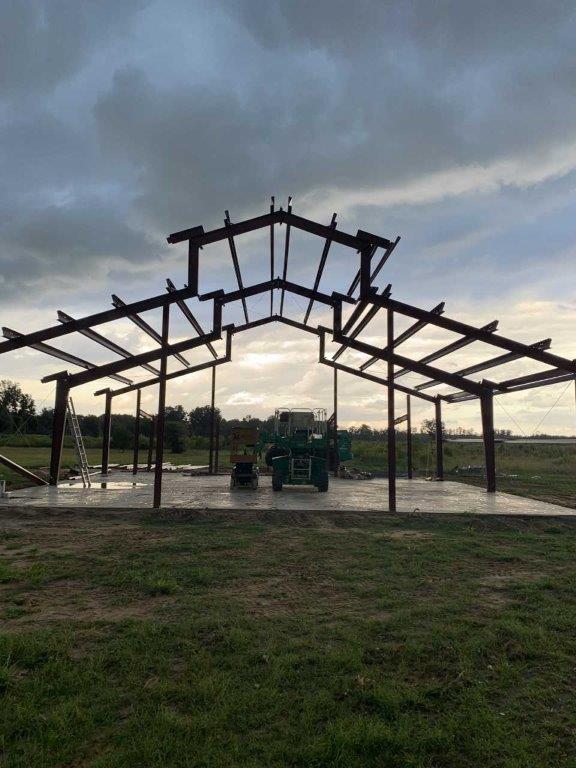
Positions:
{"x": 365, "y": 262}
{"x": 271, "y": 258}
{"x": 439, "y": 443}
{"x": 391, "y": 427}
{"x": 217, "y": 447}
{"x": 336, "y": 454}
{"x": 409, "y": 437}
{"x": 487, "y": 411}
{"x": 136, "y": 433}
{"x": 161, "y": 418}
{"x": 151, "y": 443}
{"x": 106, "y": 432}
{"x": 286, "y": 253}
{"x": 58, "y": 429}
{"x": 212, "y": 419}
{"x": 193, "y": 267}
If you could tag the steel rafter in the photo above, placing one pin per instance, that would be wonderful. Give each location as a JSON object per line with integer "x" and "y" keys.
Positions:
{"x": 188, "y": 314}
{"x": 272, "y": 204}
{"x": 449, "y": 348}
{"x": 376, "y": 271}
{"x": 407, "y": 334}
{"x": 564, "y": 365}
{"x": 286, "y": 253}
{"x": 144, "y": 326}
{"x": 55, "y": 331}
{"x": 63, "y": 317}
{"x": 200, "y": 238}
{"x": 366, "y": 376}
{"x": 368, "y": 317}
{"x": 61, "y": 355}
{"x": 320, "y": 271}
{"x": 236, "y": 263}
{"x": 422, "y": 368}
{"x": 76, "y": 379}
{"x": 174, "y": 375}
{"x": 487, "y": 364}
{"x": 252, "y": 290}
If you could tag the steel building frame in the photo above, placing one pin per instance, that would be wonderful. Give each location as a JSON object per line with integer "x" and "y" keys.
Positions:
{"x": 362, "y": 297}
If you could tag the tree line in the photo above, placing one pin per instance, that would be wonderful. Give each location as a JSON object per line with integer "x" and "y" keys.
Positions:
{"x": 19, "y": 416}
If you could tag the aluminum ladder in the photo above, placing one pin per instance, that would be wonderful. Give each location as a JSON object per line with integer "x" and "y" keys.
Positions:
{"x": 78, "y": 444}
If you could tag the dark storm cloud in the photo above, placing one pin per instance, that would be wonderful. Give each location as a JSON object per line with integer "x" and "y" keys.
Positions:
{"x": 284, "y": 97}
{"x": 449, "y": 27}
{"x": 49, "y": 245}
{"x": 407, "y": 89}
{"x": 42, "y": 43}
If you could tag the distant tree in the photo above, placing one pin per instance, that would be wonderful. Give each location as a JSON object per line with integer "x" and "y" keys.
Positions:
{"x": 175, "y": 413}
{"x": 199, "y": 420}
{"x": 44, "y": 421}
{"x": 363, "y": 432}
{"x": 122, "y": 436}
{"x": 428, "y": 427}
{"x": 175, "y": 436}
{"x": 17, "y": 410}
{"x": 89, "y": 425}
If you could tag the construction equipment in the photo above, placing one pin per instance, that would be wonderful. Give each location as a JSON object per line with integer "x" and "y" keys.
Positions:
{"x": 78, "y": 444}
{"x": 244, "y": 448}
{"x": 299, "y": 451}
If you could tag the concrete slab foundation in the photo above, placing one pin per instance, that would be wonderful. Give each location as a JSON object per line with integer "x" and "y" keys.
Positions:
{"x": 123, "y": 491}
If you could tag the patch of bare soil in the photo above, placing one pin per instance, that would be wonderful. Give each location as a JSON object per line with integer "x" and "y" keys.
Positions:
{"x": 70, "y": 600}
{"x": 492, "y": 592}
{"x": 330, "y": 525}
{"x": 284, "y": 594}
{"x": 82, "y": 539}
{"x": 503, "y": 578}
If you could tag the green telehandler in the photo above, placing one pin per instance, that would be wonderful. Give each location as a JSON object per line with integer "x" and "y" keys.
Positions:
{"x": 300, "y": 451}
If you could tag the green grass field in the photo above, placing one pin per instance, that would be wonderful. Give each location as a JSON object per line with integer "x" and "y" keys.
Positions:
{"x": 273, "y": 640}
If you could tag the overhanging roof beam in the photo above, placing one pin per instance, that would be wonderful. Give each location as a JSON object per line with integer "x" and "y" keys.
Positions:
{"x": 567, "y": 366}
{"x": 236, "y": 263}
{"x": 187, "y": 312}
{"x": 492, "y": 363}
{"x": 55, "y": 331}
{"x": 542, "y": 383}
{"x": 144, "y": 326}
{"x": 63, "y": 317}
{"x": 450, "y": 379}
{"x": 175, "y": 374}
{"x": 529, "y": 379}
{"x": 100, "y": 371}
{"x": 375, "y": 379}
{"x": 449, "y": 348}
{"x": 407, "y": 334}
{"x": 321, "y": 265}
{"x": 61, "y": 355}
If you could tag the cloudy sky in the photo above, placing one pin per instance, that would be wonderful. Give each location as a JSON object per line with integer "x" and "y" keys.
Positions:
{"x": 451, "y": 123}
